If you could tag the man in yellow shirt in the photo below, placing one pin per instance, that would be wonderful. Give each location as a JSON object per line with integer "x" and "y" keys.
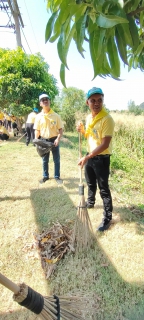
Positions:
{"x": 30, "y": 126}
{"x": 48, "y": 125}
{"x": 4, "y": 135}
{"x": 99, "y": 132}
{"x": 1, "y": 117}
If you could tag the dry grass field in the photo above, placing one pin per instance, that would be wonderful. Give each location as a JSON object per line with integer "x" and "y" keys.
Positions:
{"x": 109, "y": 276}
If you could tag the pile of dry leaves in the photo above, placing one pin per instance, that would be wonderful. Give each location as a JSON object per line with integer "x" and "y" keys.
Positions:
{"x": 54, "y": 244}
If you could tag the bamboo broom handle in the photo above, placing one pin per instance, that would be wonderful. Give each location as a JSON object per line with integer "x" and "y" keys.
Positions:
{"x": 80, "y": 155}
{"x": 9, "y": 284}
{"x": 21, "y": 137}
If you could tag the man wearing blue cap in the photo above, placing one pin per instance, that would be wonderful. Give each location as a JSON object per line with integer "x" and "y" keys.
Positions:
{"x": 30, "y": 126}
{"x": 99, "y": 132}
{"x": 48, "y": 125}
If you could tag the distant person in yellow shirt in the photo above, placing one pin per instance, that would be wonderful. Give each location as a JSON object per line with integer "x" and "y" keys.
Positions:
{"x": 1, "y": 117}
{"x": 48, "y": 125}
{"x": 30, "y": 126}
{"x": 4, "y": 135}
{"x": 99, "y": 132}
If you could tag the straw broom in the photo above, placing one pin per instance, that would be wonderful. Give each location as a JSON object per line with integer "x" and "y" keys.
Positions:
{"x": 83, "y": 235}
{"x": 48, "y": 308}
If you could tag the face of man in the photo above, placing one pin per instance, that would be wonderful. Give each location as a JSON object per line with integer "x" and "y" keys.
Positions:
{"x": 95, "y": 103}
{"x": 45, "y": 104}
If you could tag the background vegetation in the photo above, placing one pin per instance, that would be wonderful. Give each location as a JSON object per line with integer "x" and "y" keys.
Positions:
{"x": 23, "y": 78}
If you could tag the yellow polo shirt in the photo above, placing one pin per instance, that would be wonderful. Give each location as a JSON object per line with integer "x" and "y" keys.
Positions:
{"x": 1, "y": 116}
{"x": 103, "y": 128}
{"x": 4, "y": 130}
{"x": 31, "y": 117}
{"x": 48, "y": 124}
{"x": 13, "y": 119}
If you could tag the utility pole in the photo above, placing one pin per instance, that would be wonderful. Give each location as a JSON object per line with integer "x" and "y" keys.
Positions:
{"x": 17, "y": 19}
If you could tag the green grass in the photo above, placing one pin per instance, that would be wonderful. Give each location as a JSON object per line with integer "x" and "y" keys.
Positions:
{"x": 110, "y": 274}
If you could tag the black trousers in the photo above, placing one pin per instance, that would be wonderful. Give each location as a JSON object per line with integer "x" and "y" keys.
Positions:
{"x": 30, "y": 132}
{"x": 97, "y": 174}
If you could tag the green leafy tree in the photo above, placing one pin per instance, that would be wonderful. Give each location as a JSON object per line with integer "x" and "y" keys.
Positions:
{"x": 71, "y": 100}
{"x": 113, "y": 29}
{"x": 133, "y": 108}
{"x": 22, "y": 78}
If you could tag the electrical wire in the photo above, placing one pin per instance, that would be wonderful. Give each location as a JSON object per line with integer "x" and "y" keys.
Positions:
{"x": 31, "y": 25}
{"x": 26, "y": 41}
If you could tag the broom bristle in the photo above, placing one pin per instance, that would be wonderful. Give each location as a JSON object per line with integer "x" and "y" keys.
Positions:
{"x": 49, "y": 308}
{"x": 83, "y": 234}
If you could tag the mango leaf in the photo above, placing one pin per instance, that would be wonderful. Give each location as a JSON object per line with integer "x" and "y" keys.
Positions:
{"x": 62, "y": 74}
{"x": 139, "y": 49}
{"x": 64, "y": 43}
{"x": 92, "y": 53}
{"x": 121, "y": 45}
{"x": 134, "y": 32}
{"x": 53, "y": 5}
{"x": 125, "y": 34}
{"x": 142, "y": 19}
{"x": 91, "y": 25}
{"x": 77, "y": 10}
{"x": 134, "y": 4}
{"x": 80, "y": 12}
{"x": 99, "y": 35}
{"x": 61, "y": 47}
{"x": 64, "y": 12}
{"x": 54, "y": 37}
{"x": 49, "y": 26}
{"x": 106, "y": 6}
{"x": 109, "y": 21}
{"x": 80, "y": 29}
{"x": 113, "y": 57}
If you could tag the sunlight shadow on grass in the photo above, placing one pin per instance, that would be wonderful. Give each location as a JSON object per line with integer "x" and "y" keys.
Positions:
{"x": 13, "y": 198}
{"x": 90, "y": 273}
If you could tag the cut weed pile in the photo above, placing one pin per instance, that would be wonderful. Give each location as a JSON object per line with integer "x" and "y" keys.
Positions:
{"x": 109, "y": 276}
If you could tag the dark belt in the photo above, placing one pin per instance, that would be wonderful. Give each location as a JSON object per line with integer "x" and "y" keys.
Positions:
{"x": 51, "y": 139}
{"x": 101, "y": 156}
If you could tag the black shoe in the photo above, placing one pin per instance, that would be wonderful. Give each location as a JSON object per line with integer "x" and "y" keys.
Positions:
{"x": 89, "y": 206}
{"x": 58, "y": 180}
{"x": 43, "y": 180}
{"x": 104, "y": 225}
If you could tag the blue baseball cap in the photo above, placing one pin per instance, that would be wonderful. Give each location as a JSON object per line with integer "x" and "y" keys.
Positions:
{"x": 35, "y": 109}
{"x": 94, "y": 90}
{"x": 43, "y": 95}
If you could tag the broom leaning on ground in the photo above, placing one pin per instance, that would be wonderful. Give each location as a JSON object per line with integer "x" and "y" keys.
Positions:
{"x": 83, "y": 235}
{"x": 48, "y": 308}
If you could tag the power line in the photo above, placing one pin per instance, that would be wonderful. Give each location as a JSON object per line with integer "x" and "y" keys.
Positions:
{"x": 26, "y": 41}
{"x": 31, "y": 26}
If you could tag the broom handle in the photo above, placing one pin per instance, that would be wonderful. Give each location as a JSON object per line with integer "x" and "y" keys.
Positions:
{"x": 21, "y": 137}
{"x": 80, "y": 155}
{"x": 9, "y": 284}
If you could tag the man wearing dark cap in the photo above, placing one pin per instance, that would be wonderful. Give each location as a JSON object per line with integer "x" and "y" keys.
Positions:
{"x": 99, "y": 132}
{"x": 48, "y": 125}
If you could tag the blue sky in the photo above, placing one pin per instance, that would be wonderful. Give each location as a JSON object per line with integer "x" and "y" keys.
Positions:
{"x": 35, "y": 17}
